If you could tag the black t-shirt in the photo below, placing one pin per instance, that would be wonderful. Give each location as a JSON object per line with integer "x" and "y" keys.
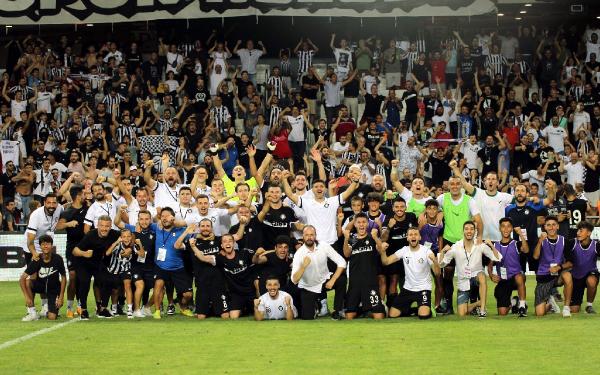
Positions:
{"x": 361, "y": 191}
{"x": 373, "y": 105}
{"x": 237, "y": 272}
{"x": 397, "y": 233}
{"x": 489, "y": 158}
{"x": 557, "y": 207}
{"x": 48, "y": 273}
{"x": 8, "y": 187}
{"x": 363, "y": 261}
{"x": 411, "y": 101}
{"x": 592, "y": 179}
{"x": 204, "y": 272}
{"x": 352, "y": 89}
{"x": 467, "y": 69}
{"x": 253, "y": 235}
{"x": 243, "y": 87}
{"x": 578, "y": 208}
{"x": 553, "y": 173}
{"x": 148, "y": 239}
{"x": 489, "y": 125}
{"x": 200, "y": 97}
{"x": 525, "y": 217}
{"x": 99, "y": 245}
{"x": 74, "y": 235}
{"x": 277, "y": 222}
{"x": 440, "y": 170}
{"x": 309, "y": 93}
{"x": 277, "y": 267}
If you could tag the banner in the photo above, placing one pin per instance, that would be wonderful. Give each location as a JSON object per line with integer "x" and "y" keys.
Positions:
{"x": 12, "y": 256}
{"x": 23, "y": 12}
{"x": 10, "y": 152}
{"x": 155, "y": 145}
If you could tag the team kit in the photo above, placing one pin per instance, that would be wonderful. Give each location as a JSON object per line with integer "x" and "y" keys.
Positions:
{"x": 271, "y": 246}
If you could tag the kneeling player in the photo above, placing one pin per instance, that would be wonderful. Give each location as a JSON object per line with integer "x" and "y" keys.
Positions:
{"x": 550, "y": 273}
{"x": 508, "y": 271}
{"x": 275, "y": 304}
{"x": 583, "y": 254}
{"x": 49, "y": 278}
{"x": 417, "y": 283}
{"x": 362, "y": 250}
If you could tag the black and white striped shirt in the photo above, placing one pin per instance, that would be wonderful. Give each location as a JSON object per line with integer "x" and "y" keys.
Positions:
{"x": 412, "y": 58}
{"x": 276, "y": 84}
{"x": 304, "y": 60}
{"x": 26, "y": 91}
{"x": 118, "y": 263}
{"x": 523, "y": 67}
{"x": 495, "y": 64}
{"x": 352, "y": 157}
{"x": 220, "y": 116}
{"x": 41, "y": 127}
{"x": 274, "y": 112}
{"x": 164, "y": 125}
{"x": 55, "y": 73}
{"x": 180, "y": 154}
{"x": 110, "y": 100}
{"x": 125, "y": 131}
{"x": 59, "y": 134}
{"x": 576, "y": 92}
{"x": 286, "y": 68}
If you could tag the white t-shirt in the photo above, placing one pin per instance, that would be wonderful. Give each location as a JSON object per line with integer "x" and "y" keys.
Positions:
{"x": 40, "y": 224}
{"x": 470, "y": 150}
{"x": 249, "y": 59}
{"x": 300, "y": 214}
{"x": 173, "y": 60}
{"x": 491, "y": 208}
{"x": 369, "y": 81}
{"x": 215, "y": 80}
{"x": 338, "y": 147}
{"x": 575, "y": 173}
{"x": 556, "y": 137}
{"x": 17, "y": 107}
{"x": 297, "y": 124}
{"x": 343, "y": 59}
{"x": 592, "y": 48}
{"x": 417, "y": 266}
{"x": 323, "y": 216}
{"x": 580, "y": 120}
{"x": 44, "y": 101}
{"x": 534, "y": 177}
{"x": 468, "y": 264}
{"x": 275, "y": 308}
{"x": 98, "y": 209}
{"x": 164, "y": 196}
{"x": 134, "y": 209}
{"x": 218, "y": 216}
{"x": 188, "y": 214}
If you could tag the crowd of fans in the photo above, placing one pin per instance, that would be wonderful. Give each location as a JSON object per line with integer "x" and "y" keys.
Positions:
{"x": 514, "y": 113}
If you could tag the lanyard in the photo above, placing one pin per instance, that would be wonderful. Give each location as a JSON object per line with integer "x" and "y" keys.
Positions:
{"x": 164, "y": 241}
{"x": 466, "y": 256}
{"x": 553, "y": 247}
{"x": 107, "y": 209}
{"x": 188, "y": 211}
{"x": 171, "y": 194}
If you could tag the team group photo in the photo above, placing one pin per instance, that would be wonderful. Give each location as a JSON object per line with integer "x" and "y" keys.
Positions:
{"x": 377, "y": 180}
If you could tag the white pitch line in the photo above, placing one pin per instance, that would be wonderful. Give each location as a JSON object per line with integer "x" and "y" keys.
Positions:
{"x": 31, "y": 335}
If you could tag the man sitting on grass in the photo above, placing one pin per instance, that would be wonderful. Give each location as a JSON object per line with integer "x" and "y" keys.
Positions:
{"x": 275, "y": 304}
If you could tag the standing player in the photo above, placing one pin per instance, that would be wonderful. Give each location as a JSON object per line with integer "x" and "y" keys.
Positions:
{"x": 89, "y": 253}
{"x": 169, "y": 263}
{"x": 576, "y": 209}
{"x": 431, "y": 236}
{"x": 457, "y": 208}
{"x": 468, "y": 257}
{"x": 394, "y": 232}
{"x": 278, "y": 219}
{"x": 310, "y": 271}
{"x": 50, "y": 280}
{"x": 418, "y": 260}
{"x": 509, "y": 273}
{"x": 275, "y": 304}
{"x": 551, "y": 270}
{"x": 72, "y": 219}
{"x": 363, "y": 256}
{"x": 583, "y": 254}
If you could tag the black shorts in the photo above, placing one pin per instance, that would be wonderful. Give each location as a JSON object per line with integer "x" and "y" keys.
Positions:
{"x": 141, "y": 274}
{"x": 180, "y": 279}
{"x": 126, "y": 275}
{"x": 112, "y": 281}
{"x": 70, "y": 260}
{"x": 39, "y": 287}
{"x": 503, "y": 292}
{"x": 241, "y": 302}
{"x": 579, "y": 286}
{"x": 366, "y": 295}
{"x": 406, "y": 298}
{"x": 211, "y": 298}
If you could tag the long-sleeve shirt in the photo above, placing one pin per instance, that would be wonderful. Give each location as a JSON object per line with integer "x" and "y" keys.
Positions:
{"x": 468, "y": 264}
{"x": 317, "y": 272}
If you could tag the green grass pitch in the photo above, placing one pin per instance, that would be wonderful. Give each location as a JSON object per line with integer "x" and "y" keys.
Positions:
{"x": 444, "y": 345}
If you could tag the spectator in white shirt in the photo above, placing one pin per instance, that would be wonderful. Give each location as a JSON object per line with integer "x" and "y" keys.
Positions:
{"x": 310, "y": 271}
{"x": 275, "y": 304}
{"x": 249, "y": 57}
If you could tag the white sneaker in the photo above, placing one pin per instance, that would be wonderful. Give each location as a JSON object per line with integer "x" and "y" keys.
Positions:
{"x": 324, "y": 309}
{"x": 566, "y": 313}
{"x": 147, "y": 311}
{"x": 113, "y": 310}
{"x": 554, "y": 308}
{"x": 44, "y": 311}
{"x": 30, "y": 317}
{"x": 138, "y": 314}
